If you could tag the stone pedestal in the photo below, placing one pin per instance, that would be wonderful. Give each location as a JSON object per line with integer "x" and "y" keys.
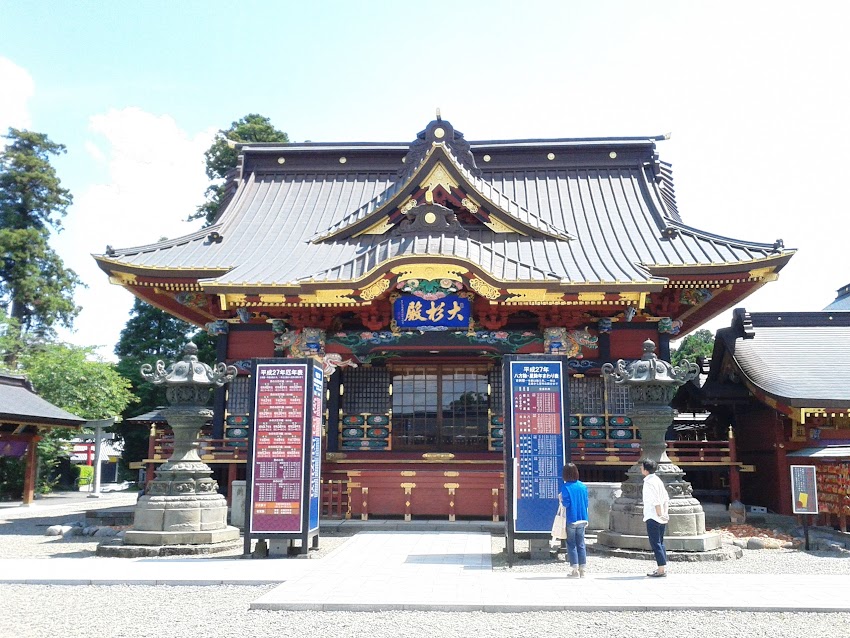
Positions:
{"x": 182, "y": 506}
{"x": 652, "y": 384}
{"x": 601, "y": 497}
{"x": 237, "y": 504}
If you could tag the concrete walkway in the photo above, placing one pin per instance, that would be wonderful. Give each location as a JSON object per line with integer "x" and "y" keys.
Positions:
{"x": 445, "y": 571}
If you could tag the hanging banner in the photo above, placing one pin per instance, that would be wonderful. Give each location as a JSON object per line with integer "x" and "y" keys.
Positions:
{"x": 536, "y": 407}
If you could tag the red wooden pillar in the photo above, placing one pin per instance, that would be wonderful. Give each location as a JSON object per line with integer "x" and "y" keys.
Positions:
{"x": 734, "y": 470}
{"x": 30, "y": 468}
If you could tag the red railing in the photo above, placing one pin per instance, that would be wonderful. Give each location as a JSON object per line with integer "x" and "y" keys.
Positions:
{"x": 680, "y": 452}
{"x": 602, "y": 450}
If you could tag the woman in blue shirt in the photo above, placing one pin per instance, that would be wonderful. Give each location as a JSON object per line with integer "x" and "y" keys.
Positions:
{"x": 574, "y": 498}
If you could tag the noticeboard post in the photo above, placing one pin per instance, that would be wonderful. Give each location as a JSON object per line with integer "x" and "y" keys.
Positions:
{"x": 536, "y": 448}
{"x": 804, "y": 494}
{"x": 283, "y": 476}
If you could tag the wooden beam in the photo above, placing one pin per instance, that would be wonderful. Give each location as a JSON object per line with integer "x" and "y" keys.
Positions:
{"x": 30, "y": 467}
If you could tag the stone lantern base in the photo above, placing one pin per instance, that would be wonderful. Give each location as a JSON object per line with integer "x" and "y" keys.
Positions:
{"x": 685, "y": 531}
{"x": 193, "y": 519}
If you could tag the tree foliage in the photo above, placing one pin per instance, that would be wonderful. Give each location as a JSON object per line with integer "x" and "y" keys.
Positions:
{"x": 35, "y": 282}
{"x": 35, "y": 287}
{"x": 151, "y": 334}
{"x": 698, "y": 344}
{"x": 72, "y": 378}
{"x": 222, "y": 156}
{"x": 30, "y": 192}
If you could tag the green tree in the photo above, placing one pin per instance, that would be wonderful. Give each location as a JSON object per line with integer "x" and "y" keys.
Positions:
{"x": 698, "y": 344}
{"x": 222, "y": 156}
{"x": 35, "y": 283}
{"x": 10, "y": 337}
{"x": 35, "y": 287}
{"x": 30, "y": 192}
{"x": 151, "y": 334}
{"x": 73, "y": 379}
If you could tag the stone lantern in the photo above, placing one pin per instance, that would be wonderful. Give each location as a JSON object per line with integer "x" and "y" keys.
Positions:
{"x": 182, "y": 506}
{"x": 652, "y": 384}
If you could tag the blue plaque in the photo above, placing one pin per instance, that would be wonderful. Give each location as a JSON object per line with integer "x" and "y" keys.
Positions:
{"x": 445, "y": 313}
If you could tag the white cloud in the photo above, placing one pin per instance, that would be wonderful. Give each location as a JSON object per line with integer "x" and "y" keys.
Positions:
{"x": 16, "y": 88}
{"x": 155, "y": 181}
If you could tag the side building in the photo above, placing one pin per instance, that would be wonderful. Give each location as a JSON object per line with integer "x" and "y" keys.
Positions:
{"x": 775, "y": 378}
{"x": 411, "y": 269}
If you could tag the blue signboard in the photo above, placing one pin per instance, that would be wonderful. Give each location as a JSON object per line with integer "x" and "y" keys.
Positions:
{"x": 536, "y": 405}
{"x": 316, "y": 449}
{"x": 445, "y": 313}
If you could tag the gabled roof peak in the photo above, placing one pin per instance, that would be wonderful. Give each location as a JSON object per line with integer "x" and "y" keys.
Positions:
{"x": 440, "y": 131}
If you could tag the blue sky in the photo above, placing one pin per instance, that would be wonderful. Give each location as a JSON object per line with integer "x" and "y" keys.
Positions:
{"x": 754, "y": 94}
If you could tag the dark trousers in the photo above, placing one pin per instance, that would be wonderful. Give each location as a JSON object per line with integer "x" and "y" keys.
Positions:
{"x": 655, "y": 531}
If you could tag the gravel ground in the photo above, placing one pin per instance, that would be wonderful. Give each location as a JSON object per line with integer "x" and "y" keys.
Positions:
{"x": 126, "y": 611}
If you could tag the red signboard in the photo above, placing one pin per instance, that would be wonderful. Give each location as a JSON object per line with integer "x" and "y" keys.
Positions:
{"x": 280, "y": 406}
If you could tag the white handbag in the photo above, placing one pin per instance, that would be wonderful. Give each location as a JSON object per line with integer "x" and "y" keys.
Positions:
{"x": 559, "y": 525}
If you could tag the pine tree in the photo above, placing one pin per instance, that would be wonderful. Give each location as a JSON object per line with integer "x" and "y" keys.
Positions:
{"x": 222, "y": 157}
{"x": 35, "y": 287}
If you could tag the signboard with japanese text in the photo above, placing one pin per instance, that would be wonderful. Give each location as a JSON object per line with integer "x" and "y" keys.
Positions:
{"x": 284, "y": 473}
{"x": 804, "y": 491}
{"x": 316, "y": 449}
{"x": 536, "y": 448}
{"x": 451, "y": 311}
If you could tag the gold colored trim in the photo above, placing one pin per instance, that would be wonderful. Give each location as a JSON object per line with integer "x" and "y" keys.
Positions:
{"x": 378, "y": 228}
{"x": 408, "y": 204}
{"x": 375, "y": 289}
{"x": 122, "y": 278}
{"x": 591, "y": 297}
{"x": 430, "y": 271}
{"x": 484, "y": 289}
{"x": 439, "y": 176}
{"x": 765, "y": 274}
{"x": 535, "y": 296}
{"x": 211, "y": 271}
{"x": 231, "y": 301}
{"x": 330, "y": 296}
{"x": 761, "y": 260}
{"x": 498, "y": 226}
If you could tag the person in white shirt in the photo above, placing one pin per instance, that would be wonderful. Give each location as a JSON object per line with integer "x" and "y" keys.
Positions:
{"x": 656, "y": 503}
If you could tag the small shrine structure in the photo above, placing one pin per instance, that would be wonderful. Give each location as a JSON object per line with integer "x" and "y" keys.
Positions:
{"x": 23, "y": 414}
{"x": 767, "y": 380}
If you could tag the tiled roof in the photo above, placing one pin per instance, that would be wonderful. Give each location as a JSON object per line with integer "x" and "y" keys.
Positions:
{"x": 20, "y": 403}
{"x": 842, "y": 301}
{"x": 795, "y": 357}
{"x": 605, "y": 210}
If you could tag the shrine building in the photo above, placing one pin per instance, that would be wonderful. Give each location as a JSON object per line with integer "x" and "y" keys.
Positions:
{"x": 773, "y": 379}
{"x": 410, "y": 269}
